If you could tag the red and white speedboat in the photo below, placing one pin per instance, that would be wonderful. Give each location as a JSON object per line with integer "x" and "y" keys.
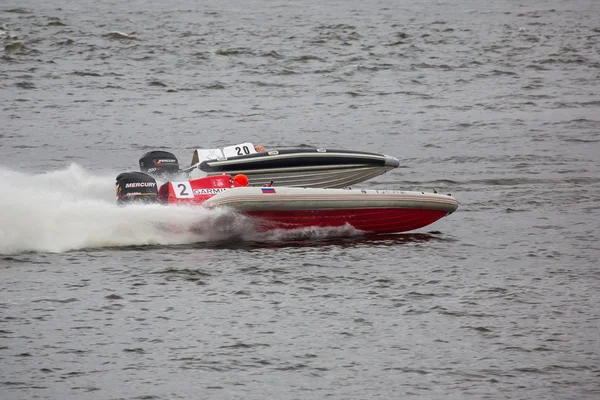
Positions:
{"x": 281, "y": 207}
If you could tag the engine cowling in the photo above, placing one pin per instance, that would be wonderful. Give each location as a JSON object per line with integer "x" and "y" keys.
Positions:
{"x": 136, "y": 187}
{"x": 159, "y": 163}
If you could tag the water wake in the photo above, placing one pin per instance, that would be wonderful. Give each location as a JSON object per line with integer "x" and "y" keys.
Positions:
{"x": 72, "y": 209}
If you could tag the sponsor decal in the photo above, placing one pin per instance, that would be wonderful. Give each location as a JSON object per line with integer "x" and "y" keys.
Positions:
{"x": 380, "y": 191}
{"x": 268, "y": 190}
{"x": 135, "y": 194}
{"x": 139, "y": 185}
{"x": 159, "y": 161}
{"x": 208, "y": 191}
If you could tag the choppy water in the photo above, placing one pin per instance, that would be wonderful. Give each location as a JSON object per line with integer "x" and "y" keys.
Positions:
{"x": 497, "y": 103}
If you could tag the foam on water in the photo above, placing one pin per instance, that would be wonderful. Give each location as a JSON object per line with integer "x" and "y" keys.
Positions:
{"x": 71, "y": 209}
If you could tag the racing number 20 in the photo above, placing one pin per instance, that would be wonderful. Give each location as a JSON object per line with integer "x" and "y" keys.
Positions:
{"x": 242, "y": 150}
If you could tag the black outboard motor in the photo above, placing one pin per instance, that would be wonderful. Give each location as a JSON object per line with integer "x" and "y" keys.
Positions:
{"x": 136, "y": 187}
{"x": 159, "y": 163}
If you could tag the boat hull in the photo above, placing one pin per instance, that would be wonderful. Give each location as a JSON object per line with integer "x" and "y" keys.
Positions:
{"x": 372, "y": 211}
{"x": 369, "y": 220}
{"x": 303, "y": 167}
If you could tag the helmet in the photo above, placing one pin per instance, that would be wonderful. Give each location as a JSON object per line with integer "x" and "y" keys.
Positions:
{"x": 241, "y": 179}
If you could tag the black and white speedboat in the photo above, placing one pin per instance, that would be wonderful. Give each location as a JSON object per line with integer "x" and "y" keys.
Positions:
{"x": 289, "y": 166}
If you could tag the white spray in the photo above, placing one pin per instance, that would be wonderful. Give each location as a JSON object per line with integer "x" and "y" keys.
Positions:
{"x": 71, "y": 209}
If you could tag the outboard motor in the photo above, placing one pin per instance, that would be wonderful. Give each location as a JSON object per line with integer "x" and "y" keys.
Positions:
{"x": 136, "y": 187}
{"x": 159, "y": 163}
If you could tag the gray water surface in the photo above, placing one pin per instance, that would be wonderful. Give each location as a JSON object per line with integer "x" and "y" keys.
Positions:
{"x": 495, "y": 103}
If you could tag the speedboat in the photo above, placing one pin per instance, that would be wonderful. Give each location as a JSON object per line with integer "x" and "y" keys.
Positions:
{"x": 284, "y": 207}
{"x": 307, "y": 167}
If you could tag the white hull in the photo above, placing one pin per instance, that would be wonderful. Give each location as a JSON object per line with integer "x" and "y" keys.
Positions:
{"x": 290, "y": 199}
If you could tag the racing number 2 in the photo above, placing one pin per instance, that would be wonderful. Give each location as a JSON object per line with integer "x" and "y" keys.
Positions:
{"x": 183, "y": 190}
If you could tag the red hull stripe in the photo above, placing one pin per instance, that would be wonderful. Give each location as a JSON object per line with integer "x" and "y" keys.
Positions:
{"x": 372, "y": 220}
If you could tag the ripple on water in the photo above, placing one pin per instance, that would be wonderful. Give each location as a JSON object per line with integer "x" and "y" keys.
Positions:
{"x": 491, "y": 105}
